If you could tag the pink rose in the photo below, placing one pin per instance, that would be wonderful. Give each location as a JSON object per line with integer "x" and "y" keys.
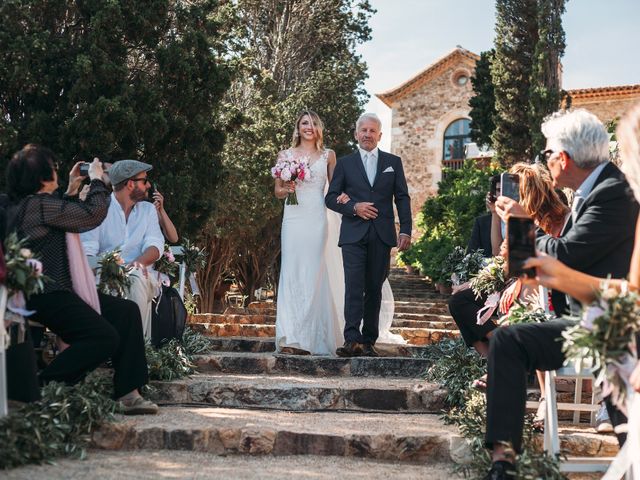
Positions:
{"x": 35, "y": 265}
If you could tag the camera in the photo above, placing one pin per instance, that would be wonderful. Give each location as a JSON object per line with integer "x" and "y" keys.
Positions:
{"x": 521, "y": 244}
{"x": 84, "y": 169}
{"x": 510, "y": 186}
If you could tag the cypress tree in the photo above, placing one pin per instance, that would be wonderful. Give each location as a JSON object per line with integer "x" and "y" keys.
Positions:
{"x": 483, "y": 103}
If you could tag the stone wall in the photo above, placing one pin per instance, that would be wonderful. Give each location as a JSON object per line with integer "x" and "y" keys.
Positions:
{"x": 606, "y": 109}
{"x": 419, "y": 120}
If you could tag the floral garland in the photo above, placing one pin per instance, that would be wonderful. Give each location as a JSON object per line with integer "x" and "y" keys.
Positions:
{"x": 525, "y": 313}
{"x": 605, "y": 337}
{"x": 114, "y": 274}
{"x": 194, "y": 257}
{"x": 24, "y": 272}
{"x": 167, "y": 264}
{"x": 490, "y": 279}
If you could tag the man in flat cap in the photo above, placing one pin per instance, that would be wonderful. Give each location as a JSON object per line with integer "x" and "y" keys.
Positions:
{"x": 132, "y": 226}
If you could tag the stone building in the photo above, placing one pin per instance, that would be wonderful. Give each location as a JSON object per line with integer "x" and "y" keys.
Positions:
{"x": 430, "y": 117}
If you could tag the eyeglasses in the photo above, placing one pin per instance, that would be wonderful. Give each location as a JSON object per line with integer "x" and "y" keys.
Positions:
{"x": 143, "y": 180}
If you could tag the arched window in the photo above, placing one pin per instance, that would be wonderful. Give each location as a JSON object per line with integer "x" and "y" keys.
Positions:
{"x": 456, "y": 136}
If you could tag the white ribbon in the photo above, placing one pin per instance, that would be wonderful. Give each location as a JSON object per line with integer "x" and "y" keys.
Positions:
{"x": 194, "y": 285}
{"x": 627, "y": 460}
{"x": 18, "y": 305}
{"x": 490, "y": 306}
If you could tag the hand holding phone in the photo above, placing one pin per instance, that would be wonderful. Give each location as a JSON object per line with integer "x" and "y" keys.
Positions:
{"x": 521, "y": 235}
{"x": 510, "y": 186}
{"x": 84, "y": 169}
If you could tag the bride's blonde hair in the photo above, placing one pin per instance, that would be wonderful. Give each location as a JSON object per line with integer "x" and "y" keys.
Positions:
{"x": 318, "y": 127}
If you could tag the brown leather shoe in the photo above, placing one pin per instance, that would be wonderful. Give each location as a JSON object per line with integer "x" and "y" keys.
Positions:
{"x": 370, "y": 350}
{"x": 350, "y": 349}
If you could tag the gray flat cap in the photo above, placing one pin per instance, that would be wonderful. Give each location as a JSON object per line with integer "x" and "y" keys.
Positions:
{"x": 125, "y": 169}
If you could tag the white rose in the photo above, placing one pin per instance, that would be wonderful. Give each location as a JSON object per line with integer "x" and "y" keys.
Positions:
{"x": 25, "y": 253}
{"x": 286, "y": 174}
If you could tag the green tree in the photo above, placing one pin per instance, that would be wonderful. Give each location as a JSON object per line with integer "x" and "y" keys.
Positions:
{"x": 120, "y": 79}
{"x": 483, "y": 103}
{"x": 291, "y": 55}
{"x": 529, "y": 43}
{"x": 516, "y": 37}
{"x": 545, "y": 94}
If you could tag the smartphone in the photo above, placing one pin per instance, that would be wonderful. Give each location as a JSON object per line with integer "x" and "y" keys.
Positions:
{"x": 150, "y": 192}
{"x": 494, "y": 188}
{"x": 521, "y": 244}
{"x": 510, "y": 186}
{"x": 84, "y": 169}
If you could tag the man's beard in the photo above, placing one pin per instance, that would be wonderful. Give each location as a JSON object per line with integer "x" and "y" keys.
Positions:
{"x": 138, "y": 195}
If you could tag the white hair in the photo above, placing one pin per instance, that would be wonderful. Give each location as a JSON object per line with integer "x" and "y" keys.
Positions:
{"x": 368, "y": 116}
{"x": 628, "y": 136}
{"x": 579, "y": 133}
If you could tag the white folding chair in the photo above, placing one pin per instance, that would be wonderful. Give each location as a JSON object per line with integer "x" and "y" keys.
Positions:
{"x": 182, "y": 279}
{"x": 551, "y": 437}
{"x": 4, "y": 408}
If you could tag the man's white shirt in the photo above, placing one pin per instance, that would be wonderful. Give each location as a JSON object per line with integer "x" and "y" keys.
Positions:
{"x": 133, "y": 237}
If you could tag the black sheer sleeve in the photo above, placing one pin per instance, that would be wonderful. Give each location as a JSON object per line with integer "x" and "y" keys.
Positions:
{"x": 73, "y": 216}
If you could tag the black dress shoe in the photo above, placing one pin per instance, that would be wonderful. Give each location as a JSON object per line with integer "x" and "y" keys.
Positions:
{"x": 369, "y": 350}
{"x": 501, "y": 471}
{"x": 350, "y": 349}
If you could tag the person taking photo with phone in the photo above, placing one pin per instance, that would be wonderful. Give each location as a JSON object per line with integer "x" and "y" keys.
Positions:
{"x": 597, "y": 240}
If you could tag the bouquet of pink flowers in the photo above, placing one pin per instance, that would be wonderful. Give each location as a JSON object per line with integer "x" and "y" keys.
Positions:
{"x": 291, "y": 170}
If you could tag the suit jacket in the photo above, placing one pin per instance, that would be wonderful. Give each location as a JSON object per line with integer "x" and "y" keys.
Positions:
{"x": 600, "y": 242}
{"x": 481, "y": 235}
{"x": 350, "y": 177}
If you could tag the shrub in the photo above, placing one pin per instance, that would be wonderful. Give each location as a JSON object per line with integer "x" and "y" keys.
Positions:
{"x": 446, "y": 220}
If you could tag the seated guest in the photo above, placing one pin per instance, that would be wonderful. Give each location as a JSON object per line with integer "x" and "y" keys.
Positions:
{"x": 481, "y": 234}
{"x": 597, "y": 240}
{"x": 96, "y": 327}
{"x": 166, "y": 225}
{"x": 539, "y": 201}
{"x": 132, "y": 226}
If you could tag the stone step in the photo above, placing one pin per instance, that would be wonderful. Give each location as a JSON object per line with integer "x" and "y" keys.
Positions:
{"x": 284, "y": 392}
{"x": 268, "y": 363}
{"x": 421, "y": 438}
{"x": 220, "y": 431}
{"x": 421, "y": 308}
{"x": 234, "y": 330}
{"x": 267, "y": 344}
{"x": 425, "y": 317}
{"x": 222, "y": 318}
{"x": 424, "y": 336}
{"x": 414, "y": 336}
{"x": 427, "y": 324}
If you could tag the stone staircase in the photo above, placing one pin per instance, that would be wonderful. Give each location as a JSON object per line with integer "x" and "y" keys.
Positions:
{"x": 247, "y": 400}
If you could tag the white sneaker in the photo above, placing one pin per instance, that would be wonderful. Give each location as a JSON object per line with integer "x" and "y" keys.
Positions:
{"x": 603, "y": 423}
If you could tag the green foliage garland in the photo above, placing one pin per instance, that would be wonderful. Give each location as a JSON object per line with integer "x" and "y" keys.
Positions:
{"x": 490, "y": 279}
{"x": 58, "y": 425}
{"x": 174, "y": 359}
{"x": 114, "y": 274}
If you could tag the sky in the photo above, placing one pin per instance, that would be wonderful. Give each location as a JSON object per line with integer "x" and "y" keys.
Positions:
{"x": 602, "y": 37}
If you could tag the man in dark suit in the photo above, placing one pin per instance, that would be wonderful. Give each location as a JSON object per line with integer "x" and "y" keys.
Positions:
{"x": 373, "y": 180}
{"x": 481, "y": 235}
{"x": 597, "y": 240}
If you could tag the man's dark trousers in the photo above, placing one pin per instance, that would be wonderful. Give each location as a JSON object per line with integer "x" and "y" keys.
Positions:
{"x": 366, "y": 266}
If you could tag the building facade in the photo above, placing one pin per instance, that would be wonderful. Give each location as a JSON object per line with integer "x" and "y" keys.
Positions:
{"x": 430, "y": 118}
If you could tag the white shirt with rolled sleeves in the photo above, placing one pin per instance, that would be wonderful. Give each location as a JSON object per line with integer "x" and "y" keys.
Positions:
{"x": 132, "y": 237}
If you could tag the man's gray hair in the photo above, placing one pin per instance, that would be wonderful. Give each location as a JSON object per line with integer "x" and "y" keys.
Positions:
{"x": 368, "y": 116}
{"x": 579, "y": 133}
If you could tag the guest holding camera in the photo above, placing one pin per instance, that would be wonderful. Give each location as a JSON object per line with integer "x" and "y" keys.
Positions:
{"x": 95, "y": 326}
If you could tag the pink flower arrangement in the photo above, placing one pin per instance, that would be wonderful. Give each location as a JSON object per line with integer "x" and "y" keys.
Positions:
{"x": 291, "y": 170}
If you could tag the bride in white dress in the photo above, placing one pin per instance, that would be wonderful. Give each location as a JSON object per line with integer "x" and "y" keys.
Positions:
{"x": 310, "y": 305}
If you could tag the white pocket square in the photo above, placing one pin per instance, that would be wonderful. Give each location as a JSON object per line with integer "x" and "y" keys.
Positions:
{"x": 389, "y": 170}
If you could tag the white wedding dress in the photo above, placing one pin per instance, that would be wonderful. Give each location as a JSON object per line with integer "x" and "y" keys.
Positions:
{"x": 310, "y": 305}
